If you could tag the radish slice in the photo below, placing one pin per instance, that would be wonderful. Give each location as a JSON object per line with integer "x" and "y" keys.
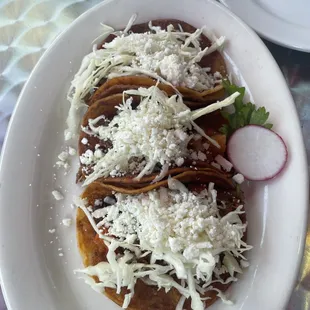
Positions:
{"x": 257, "y": 153}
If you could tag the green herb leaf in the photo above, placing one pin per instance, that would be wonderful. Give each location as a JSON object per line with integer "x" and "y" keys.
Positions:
{"x": 244, "y": 114}
{"x": 224, "y": 130}
{"x": 268, "y": 126}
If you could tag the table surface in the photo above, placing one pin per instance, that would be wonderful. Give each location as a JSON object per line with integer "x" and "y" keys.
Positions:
{"x": 27, "y": 27}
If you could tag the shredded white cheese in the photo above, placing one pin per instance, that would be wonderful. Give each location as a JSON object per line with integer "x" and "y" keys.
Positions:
{"x": 223, "y": 162}
{"x": 238, "y": 178}
{"x": 71, "y": 151}
{"x": 206, "y": 146}
{"x": 64, "y": 160}
{"x": 201, "y": 156}
{"x": 244, "y": 263}
{"x": 63, "y": 156}
{"x": 84, "y": 141}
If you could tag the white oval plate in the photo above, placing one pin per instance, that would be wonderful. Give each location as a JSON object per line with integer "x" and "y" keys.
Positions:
{"x": 286, "y": 23}
{"x": 34, "y": 276}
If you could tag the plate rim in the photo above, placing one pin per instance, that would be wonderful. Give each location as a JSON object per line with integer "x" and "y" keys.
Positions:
{"x": 14, "y": 122}
{"x": 270, "y": 34}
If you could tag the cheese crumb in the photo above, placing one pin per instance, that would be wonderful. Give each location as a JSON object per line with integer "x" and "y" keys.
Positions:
{"x": 66, "y": 166}
{"x": 238, "y": 178}
{"x": 87, "y": 158}
{"x": 51, "y": 231}
{"x": 84, "y": 141}
{"x": 57, "y": 195}
{"x": 67, "y": 222}
{"x": 71, "y": 151}
{"x": 63, "y": 156}
{"x": 223, "y": 162}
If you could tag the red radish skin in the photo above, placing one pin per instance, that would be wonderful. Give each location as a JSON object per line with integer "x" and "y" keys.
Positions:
{"x": 256, "y": 152}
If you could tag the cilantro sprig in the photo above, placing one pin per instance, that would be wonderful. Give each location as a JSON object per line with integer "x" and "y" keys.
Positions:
{"x": 244, "y": 114}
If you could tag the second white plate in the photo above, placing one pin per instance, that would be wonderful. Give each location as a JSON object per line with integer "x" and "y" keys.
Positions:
{"x": 286, "y": 23}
